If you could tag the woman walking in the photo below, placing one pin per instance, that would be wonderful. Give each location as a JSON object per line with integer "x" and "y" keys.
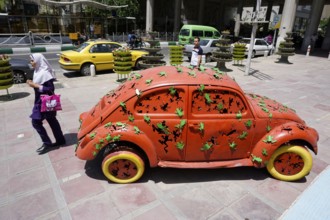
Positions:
{"x": 42, "y": 83}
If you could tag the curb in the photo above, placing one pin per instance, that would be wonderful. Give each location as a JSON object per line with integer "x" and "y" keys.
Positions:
{"x": 28, "y": 50}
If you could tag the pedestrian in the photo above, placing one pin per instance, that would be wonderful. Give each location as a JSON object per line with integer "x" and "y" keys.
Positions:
{"x": 43, "y": 83}
{"x": 269, "y": 39}
{"x": 196, "y": 54}
{"x": 313, "y": 41}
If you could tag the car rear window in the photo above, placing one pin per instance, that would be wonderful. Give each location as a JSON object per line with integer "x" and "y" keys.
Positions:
{"x": 81, "y": 47}
{"x": 184, "y": 32}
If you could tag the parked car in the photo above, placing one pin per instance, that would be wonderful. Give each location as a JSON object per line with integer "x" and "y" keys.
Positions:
{"x": 22, "y": 70}
{"x": 96, "y": 52}
{"x": 259, "y": 47}
{"x": 208, "y": 45}
{"x": 192, "y": 118}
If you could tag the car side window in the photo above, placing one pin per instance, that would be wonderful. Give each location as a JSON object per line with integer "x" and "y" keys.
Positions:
{"x": 264, "y": 43}
{"x": 100, "y": 48}
{"x": 208, "y": 34}
{"x": 196, "y": 33}
{"x": 258, "y": 42}
{"x": 165, "y": 101}
{"x": 214, "y": 43}
{"x": 113, "y": 47}
{"x": 217, "y": 101}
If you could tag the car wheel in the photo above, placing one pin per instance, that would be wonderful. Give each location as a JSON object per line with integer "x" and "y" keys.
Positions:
{"x": 86, "y": 69}
{"x": 18, "y": 77}
{"x": 208, "y": 58}
{"x": 253, "y": 54}
{"x": 290, "y": 163}
{"x": 189, "y": 59}
{"x": 137, "y": 64}
{"x": 123, "y": 167}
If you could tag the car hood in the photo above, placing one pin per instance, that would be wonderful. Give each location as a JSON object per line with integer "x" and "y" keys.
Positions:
{"x": 94, "y": 117}
{"x": 268, "y": 108}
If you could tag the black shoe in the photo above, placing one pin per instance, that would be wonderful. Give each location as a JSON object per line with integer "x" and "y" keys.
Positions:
{"x": 44, "y": 146}
{"x": 60, "y": 143}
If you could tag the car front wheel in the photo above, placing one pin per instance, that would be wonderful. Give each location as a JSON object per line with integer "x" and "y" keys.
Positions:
{"x": 208, "y": 58}
{"x": 123, "y": 167}
{"x": 18, "y": 77}
{"x": 86, "y": 69}
{"x": 290, "y": 163}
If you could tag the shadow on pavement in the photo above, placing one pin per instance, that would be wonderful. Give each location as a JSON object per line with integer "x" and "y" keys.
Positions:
{"x": 13, "y": 96}
{"x": 78, "y": 74}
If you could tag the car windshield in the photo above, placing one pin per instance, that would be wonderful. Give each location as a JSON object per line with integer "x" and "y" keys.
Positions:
{"x": 184, "y": 32}
{"x": 245, "y": 41}
{"x": 81, "y": 47}
{"x": 203, "y": 42}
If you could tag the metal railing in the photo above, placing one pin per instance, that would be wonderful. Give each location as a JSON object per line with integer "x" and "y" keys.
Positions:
{"x": 30, "y": 39}
{"x": 34, "y": 39}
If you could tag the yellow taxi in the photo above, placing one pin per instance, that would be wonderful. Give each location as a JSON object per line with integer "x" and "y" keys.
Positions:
{"x": 98, "y": 53}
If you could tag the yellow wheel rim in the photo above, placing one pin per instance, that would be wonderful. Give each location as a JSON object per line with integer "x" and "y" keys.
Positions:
{"x": 123, "y": 167}
{"x": 290, "y": 163}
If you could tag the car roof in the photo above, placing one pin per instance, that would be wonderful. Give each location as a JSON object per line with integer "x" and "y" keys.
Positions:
{"x": 175, "y": 76}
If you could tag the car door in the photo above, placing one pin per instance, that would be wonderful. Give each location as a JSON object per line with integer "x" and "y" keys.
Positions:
{"x": 261, "y": 46}
{"x": 219, "y": 125}
{"x": 161, "y": 114}
{"x": 101, "y": 56}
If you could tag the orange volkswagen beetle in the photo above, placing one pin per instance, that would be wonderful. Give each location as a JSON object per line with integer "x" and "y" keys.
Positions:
{"x": 192, "y": 118}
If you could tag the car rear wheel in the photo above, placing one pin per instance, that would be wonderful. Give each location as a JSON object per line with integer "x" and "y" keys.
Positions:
{"x": 86, "y": 69}
{"x": 123, "y": 166}
{"x": 290, "y": 163}
{"x": 18, "y": 77}
{"x": 137, "y": 64}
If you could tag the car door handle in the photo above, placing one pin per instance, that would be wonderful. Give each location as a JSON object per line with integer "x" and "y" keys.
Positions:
{"x": 93, "y": 56}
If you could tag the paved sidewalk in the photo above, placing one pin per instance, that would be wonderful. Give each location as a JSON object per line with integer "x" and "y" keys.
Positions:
{"x": 58, "y": 185}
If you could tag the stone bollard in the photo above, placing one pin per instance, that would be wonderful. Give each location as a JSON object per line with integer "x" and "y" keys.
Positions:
{"x": 92, "y": 69}
{"x": 308, "y": 50}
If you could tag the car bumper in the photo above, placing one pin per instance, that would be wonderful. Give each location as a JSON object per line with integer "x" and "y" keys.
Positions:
{"x": 70, "y": 66}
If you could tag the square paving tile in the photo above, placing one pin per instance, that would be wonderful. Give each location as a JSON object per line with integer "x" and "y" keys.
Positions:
{"x": 28, "y": 181}
{"x": 69, "y": 166}
{"x": 130, "y": 197}
{"x": 197, "y": 203}
{"x": 279, "y": 192}
{"x": 100, "y": 207}
{"x": 251, "y": 207}
{"x": 23, "y": 163}
{"x": 33, "y": 206}
{"x": 159, "y": 212}
{"x": 80, "y": 188}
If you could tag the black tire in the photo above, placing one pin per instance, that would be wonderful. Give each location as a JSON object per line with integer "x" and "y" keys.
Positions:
{"x": 253, "y": 55}
{"x": 137, "y": 64}
{"x": 86, "y": 69}
{"x": 208, "y": 58}
{"x": 189, "y": 59}
{"x": 18, "y": 77}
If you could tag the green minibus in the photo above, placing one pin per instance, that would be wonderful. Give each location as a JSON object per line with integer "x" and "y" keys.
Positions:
{"x": 188, "y": 32}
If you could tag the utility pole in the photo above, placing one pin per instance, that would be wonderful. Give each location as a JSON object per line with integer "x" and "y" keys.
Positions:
{"x": 254, "y": 22}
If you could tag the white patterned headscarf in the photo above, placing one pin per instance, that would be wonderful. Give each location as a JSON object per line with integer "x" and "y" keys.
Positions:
{"x": 42, "y": 71}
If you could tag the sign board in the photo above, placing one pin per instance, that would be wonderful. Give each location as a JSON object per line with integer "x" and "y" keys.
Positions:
{"x": 276, "y": 23}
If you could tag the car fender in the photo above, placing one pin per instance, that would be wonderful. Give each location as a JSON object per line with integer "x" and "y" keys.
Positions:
{"x": 89, "y": 147}
{"x": 291, "y": 132}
